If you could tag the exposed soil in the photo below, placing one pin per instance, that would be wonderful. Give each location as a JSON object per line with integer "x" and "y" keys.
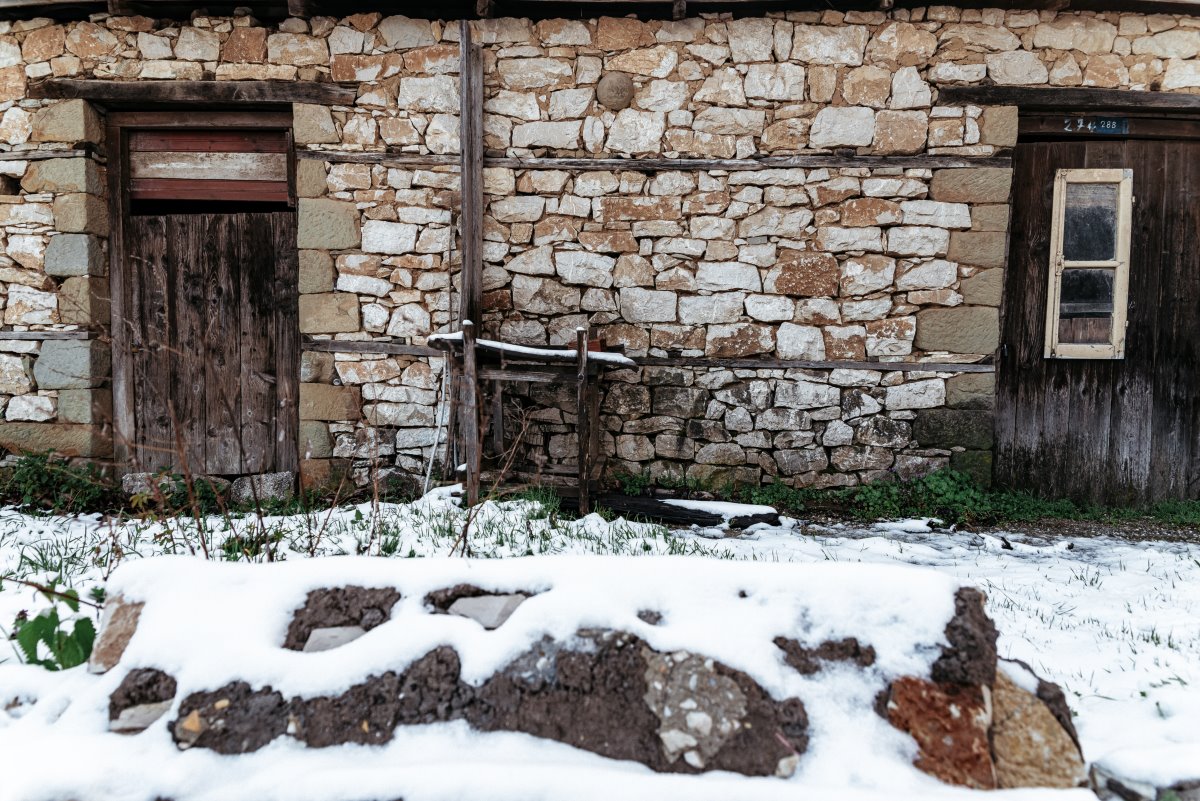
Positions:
{"x": 233, "y": 719}
{"x": 429, "y": 691}
{"x": 810, "y": 660}
{"x": 141, "y": 686}
{"x": 971, "y": 657}
{"x": 340, "y": 606}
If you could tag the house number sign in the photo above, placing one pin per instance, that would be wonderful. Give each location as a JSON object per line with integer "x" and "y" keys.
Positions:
{"x": 1096, "y": 125}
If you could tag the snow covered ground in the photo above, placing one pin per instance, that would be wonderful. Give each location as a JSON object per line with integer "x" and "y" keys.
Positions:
{"x": 1116, "y": 623}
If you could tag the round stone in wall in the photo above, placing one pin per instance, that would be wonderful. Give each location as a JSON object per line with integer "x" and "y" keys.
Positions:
{"x": 615, "y": 91}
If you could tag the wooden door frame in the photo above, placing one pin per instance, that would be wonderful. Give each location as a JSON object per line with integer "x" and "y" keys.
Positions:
{"x": 117, "y": 150}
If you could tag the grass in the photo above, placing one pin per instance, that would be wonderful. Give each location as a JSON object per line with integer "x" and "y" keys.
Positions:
{"x": 955, "y": 497}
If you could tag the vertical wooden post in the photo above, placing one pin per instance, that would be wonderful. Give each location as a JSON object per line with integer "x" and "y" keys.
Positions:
{"x": 583, "y": 421}
{"x": 470, "y": 138}
{"x": 470, "y": 414}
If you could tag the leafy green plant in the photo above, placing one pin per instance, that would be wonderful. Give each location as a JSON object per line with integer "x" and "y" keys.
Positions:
{"x": 53, "y": 483}
{"x": 65, "y": 649}
{"x": 634, "y": 484}
{"x": 781, "y": 496}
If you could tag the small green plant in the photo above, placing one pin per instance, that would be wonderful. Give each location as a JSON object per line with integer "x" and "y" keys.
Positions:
{"x": 634, "y": 484}
{"x": 65, "y": 649}
{"x": 53, "y": 483}
{"x": 681, "y": 483}
{"x": 781, "y": 496}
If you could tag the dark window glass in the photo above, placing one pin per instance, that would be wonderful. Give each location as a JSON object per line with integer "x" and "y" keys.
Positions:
{"x": 1086, "y": 293}
{"x": 1090, "y": 222}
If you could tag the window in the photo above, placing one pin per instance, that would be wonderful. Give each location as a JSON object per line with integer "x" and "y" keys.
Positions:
{"x": 1089, "y": 264}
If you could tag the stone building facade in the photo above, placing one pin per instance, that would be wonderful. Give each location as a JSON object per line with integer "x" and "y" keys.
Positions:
{"x": 879, "y": 264}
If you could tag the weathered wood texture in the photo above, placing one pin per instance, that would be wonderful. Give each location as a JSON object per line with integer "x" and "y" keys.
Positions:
{"x": 233, "y": 92}
{"x": 1109, "y": 431}
{"x": 188, "y": 164}
{"x": 1057, "y": 99}
{"x": 471, "y": 172}
{"x": 214, "y": 349}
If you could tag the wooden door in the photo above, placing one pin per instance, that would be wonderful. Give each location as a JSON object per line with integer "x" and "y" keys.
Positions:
{"x": 213, "y": 346}
{"x": 1112, "y": 430}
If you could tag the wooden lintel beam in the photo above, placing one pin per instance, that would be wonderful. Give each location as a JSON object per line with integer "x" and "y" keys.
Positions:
{"x": 1067, "y": 99}
{"x": 367, "y": 346}
{"x": 814, "y": 161}
{"x": 222, "y": 92}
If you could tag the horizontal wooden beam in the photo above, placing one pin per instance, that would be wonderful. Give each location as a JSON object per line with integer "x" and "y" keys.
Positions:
{"x": 42, "y": 155}
{"x": 222, "y": 92}
{"x": 1066, "y": 99}
{"x": 814, "y": 161}
{"x": 802, "y": 364}
{"x": 44, "y": 335}
{"x": 367, "y": 346}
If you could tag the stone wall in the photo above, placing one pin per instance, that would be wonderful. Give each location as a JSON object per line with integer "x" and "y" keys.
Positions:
{"x": 880, "y": 263}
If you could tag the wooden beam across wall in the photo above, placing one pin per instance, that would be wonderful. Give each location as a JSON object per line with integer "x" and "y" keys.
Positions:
{"x": 471, "y": 171}
{"x": 231, "y": 92}
{"x": 656, "y": 164}
{"x": 1067, "y": 99}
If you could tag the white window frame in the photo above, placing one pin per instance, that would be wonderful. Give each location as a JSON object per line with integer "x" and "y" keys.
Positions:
{"x": 1115, "y": 347}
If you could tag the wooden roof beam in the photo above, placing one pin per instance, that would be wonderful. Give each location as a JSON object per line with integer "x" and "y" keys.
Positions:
{"x": 117, "y": 93}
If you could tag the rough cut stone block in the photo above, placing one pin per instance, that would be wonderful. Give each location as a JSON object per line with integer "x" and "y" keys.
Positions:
{"x": 327, "y": 225}
{"x": 316, "y": 272}
{"x": 72, "y": 364}
{"x": 118, "y": 622}
{"x": 313, "y": 125}
{"x": 81, "y": 213}
{"x": 972, "y": 185}
{"x": 963, "y": 329}
{"x": 263, "y": 487}
{"x": 489, "y": 611}
{"x": 75, "y": 254}
{"x": 63, "y": 175}
{"x": 329, "y": 313}
{"x": 330, "y": 637}
{"x": 86, "y": 406}
{"x": 83, "y": 300}
{"x": 999, "y": 127}
{"x": 71, "y": 121}
{"x": 978, "y": 248}
{"x": 315, "y": 442}
{"x": 311, "y": 180}
{"x": 971, "y": 391}
{"x": 68, "y": 440}
{"x": 947, "y": 428}
{"x": 984, "y": 288}
{"x": 327, "y": 402}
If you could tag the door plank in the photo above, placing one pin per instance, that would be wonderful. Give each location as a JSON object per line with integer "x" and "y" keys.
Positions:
{"x": 287, "y": 340}
{"x": 222, "y": 346}
{"x": 257, "y": 422}
{"x": 186, "y": 247}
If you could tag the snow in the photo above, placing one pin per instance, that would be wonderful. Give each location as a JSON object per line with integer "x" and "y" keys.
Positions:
{"x": 725, "y": 509}
{"x": 1115, "y": 622}
{"x": 525, "y": 350}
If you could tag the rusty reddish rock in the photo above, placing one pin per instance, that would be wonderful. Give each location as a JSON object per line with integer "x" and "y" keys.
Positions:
{"x": 950, "y": 724}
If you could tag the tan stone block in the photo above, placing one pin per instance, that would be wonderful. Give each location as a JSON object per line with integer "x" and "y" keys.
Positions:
{"x": 316, "y": 272}
{"x": 327, "y": 225}
{"x": 867, "y": 86}
{"x": 978, "y": 248}
{"x": 80, "y": 213}
{"x": 313, "y": 124}
{"x": 972, "y": 185}
{"x": 68, "y": 440}
{"x": 89, "y": 40}
{"x": 999, "y": 126}
{"x": 315, "y": 442}
{"x": 59, "y": 176}
{"x": 327, "y": 402}
{"x": 310, "y": 178}
{"x": 12, "y": 83}
{"x": 971, "y": 391}
{"x": 83, "y": 300}
{"x": 804, "y": 275}
{"x": 43, "y": 44}
{"x": 245, "y": 45}
{"x": 326, "y": 475}
{"x": 868, "y": 211}
{"x": 86, "y": 406}
{"x": 984, "y": 288}
{"x": 622, "y": 33}
{"x": 67, "y": 121}
{"x": 961, "y": 329}
{"x": 329, "y": 313}
{"x": 991, "y": 217}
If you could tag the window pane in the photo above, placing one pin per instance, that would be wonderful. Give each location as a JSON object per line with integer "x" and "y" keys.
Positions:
{"x": 1090, "y": 222}
{"x": 1086, "y": 306}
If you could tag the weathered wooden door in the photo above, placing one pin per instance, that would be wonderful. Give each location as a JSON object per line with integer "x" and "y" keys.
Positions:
{"x": 214, "y": 358}
{"x": 1120, "y": 429}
